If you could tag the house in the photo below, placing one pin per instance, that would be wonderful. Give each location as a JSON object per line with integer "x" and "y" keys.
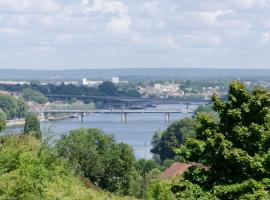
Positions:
{"x": 177, "y": 169}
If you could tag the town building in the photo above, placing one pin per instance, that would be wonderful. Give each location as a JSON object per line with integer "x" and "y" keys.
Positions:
{"x": 115, "y": 80}
{"x": 71, "y": 83}
{"x": 14, "y": 83}
{"x": 91, "y": 83}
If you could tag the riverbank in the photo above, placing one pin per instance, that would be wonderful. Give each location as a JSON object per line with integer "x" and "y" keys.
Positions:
{"x": 21, "y": 122}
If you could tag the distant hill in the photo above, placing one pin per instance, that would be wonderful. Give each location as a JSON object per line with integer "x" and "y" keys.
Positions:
{"x": 128, "y": 74}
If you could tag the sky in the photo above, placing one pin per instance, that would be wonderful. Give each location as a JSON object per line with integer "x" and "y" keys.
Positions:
{"x": 94, "y": 34}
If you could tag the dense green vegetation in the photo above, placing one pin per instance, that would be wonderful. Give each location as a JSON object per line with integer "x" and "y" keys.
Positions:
{"x": 32, "y": 95}
{"x": 12, "y": 107}
{"x": 31, "y": 170}
{"x": 110, "y": 165}
{"x": 164, "y": 142}
{"x": 232, "y": 154}
{"x": 99, "y": 158}
{"x": 35, "y": 91}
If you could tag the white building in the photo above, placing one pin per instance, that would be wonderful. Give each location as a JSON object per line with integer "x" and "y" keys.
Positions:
{"x": 14, "y": 83}
{"x": 71, "y": 83}
{"x": 115, "y": 80}
{"x": 166, "y": 88}
{"x": 90, "y": 83}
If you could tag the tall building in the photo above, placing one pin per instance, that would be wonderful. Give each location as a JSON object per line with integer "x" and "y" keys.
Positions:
{"x": 115, "y": 80}
{"x": 84, "y": 82}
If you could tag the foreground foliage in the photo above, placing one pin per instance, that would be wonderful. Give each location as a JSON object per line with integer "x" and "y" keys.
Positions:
{"x": 30, "y": 170}
{"x": 235, "y": 151}
{"x": 109, "y": 165}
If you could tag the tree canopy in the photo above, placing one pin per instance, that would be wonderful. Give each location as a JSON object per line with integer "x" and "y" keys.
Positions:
{"x": 12, "y": 107}
{"x": 235, "y": 151}
{"x": 34, "y": 95}
{"x": 107, "y": 87}
{"x": 98, "y": 157}
{"x": 164, "y": 143}
{"x": 32, "y": 125}
{"x": 9, "y": 105}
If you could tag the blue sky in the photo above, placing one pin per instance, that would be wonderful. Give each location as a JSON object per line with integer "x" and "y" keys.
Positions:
{"x": 65, "y": 34}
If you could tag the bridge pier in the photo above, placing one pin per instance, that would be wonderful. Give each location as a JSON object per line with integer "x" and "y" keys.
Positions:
{"x": 167, "y": 117}
{"x": 123, "y": 118}
{"x": 46, "y": 115}
{"x": 80, "y": 117}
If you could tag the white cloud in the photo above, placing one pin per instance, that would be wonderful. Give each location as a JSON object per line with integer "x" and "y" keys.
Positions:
{"x": 29, "y": 6}
{"x": 9, "y": 30}
{"x": 211, "y": 17}
{"x": 249, "y": 4}
{"x": 179, "y": 31}
{"x": 246, "y": 3}
{"x": 201, "y": 40}
{"x": 150, "y": 7}
{"x": 265, "y": 37}
{"x": 119, "y": 24}
{"x": 106, "y": 6}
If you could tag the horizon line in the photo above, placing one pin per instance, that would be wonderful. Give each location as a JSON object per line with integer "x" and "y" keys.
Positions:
{"x": 135, "y": 68}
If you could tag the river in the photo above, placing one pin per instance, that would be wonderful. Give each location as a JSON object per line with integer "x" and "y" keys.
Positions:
{"x": 137, "y": 132}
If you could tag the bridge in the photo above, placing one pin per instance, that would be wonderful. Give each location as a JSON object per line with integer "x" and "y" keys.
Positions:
{"x": 81, "y": 113}
{"x": 129, "y": 99}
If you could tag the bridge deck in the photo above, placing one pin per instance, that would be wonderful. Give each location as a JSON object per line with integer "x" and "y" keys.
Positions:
{"x": 114, "y": 111}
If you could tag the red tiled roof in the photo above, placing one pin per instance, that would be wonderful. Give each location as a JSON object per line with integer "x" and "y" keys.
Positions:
{"x": 176, "y": 169}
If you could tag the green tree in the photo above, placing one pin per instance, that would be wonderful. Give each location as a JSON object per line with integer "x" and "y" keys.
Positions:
{"x": 2, "y": 120}
{"x": 32, "y": 125}
{"x": 164, "y": 143}
{"x": 108, "y": 88}
{"x": 236, "y": 150}
{"x": 21, "y": 107}
{"x": 8, "y": 104}
{"x": 34, "y": 95}
{"x": 98, "y": 157}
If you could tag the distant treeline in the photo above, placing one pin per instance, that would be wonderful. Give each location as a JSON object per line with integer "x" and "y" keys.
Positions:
{"x": 105, "y": 89}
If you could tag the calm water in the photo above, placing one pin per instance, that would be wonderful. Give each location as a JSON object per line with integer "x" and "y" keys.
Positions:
{"x": 137, "y": 132}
